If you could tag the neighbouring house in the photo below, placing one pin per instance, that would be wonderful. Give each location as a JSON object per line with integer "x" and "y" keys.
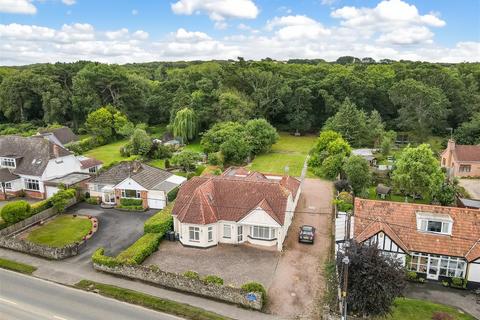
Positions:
{"x": 60, "y": 136}
{"x": 367, "y": 154}
{"x": 135, "y": 180}
{"x": 90, "y": 165}
{"x": 461, "y": 160}
{"x": 236, "y": 207}
{"x": 434, "y": 241}
{"x": 27, "y": 164}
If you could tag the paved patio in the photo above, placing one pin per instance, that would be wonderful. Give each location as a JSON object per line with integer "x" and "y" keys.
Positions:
{"x": 236, "y": 264}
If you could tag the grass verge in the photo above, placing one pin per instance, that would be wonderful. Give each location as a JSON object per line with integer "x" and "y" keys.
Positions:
{"x": 16, "y": 266}
{"x": 163, "y": 305}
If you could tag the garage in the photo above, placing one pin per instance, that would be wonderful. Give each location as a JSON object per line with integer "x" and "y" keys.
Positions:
{"x": 50, "y": 190}
{"x": 156, "y": 199}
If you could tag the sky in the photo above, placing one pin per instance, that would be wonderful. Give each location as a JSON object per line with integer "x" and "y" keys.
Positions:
{"x": 123, "y": 31}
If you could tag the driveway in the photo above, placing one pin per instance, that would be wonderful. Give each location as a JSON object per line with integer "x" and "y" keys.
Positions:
{"x": 298, "y": 283}
{"x": 472, "y": 186}
{"x": 236, "y": 264}
{"x": 117, "y": 230}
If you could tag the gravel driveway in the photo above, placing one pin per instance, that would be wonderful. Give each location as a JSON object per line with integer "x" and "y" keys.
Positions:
{"x": 298, "y": 282}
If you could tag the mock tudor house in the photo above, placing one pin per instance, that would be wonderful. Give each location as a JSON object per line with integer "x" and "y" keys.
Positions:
{"x": 441, "y": 242}
{"x": 461, "y": 160}
{"x": 135, "y": 180}
{"x": 236, "y": 207}
{"x": 28, "y": 164}
{"x": 60, "y": 136}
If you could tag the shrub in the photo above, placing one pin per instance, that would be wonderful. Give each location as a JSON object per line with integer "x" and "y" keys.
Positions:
{"x": 15, "y": 211}
{"x": 93, "y": 200}
{"x": 211, "y": 279}
{"x": 172, "y": 195}
{"x": 98, "y": 257}
{"x": 131, "y": 208}
{"x": 161, "y": 222}
{"x": 411, "y": 276}
{"x": 60, "y": 199}
{"x": 255, "y": 287}
{"x": 458, "y": 282}
{"x": 130, "y": 202}
{"x": 141, "y": 249}
{"x": 191, "y": 275}
{"x": 341, "y": 185}
{"x": 215, "y": 158}
{"x": 40, "y": 206}
{"x": 85, "y": 144}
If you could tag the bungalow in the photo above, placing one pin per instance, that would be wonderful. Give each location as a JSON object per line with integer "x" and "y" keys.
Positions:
{"x": 135, "y": 180}
{"x": 60, "y": 136}
{"x": 27, "y": 164}
{"x": 461, "y": 160}
{"x": 439, "y": 242}
{"x": 236, "y": 207}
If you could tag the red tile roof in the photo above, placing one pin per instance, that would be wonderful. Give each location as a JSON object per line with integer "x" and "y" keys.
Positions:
{"x": 398, "y": 221}
{"x": 467, "y": 153}
{"x": 205, "y": 200}
{"x": 89, "y": 163}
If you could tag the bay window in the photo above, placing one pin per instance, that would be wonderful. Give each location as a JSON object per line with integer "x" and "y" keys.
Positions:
{"x": 227, "y": 231}
{"x": 135, "y": 194}
{"x": 263, "y": 233}
{"x": 194, "y": 233}
{"x": 449, "y": 266}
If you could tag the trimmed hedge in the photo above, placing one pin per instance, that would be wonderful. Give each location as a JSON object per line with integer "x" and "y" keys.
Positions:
{"x": 131, "y": 208}
{"x": 160, "y": 222}
{"x": 40, "y": 206}
{"x": 98, "y": 257}
{"x": 15, "y": 211}
{"x": 126, "y": 202}
{"x": 60, "y": 199}
{"x": 141, "y": 249}
{"x": 213, "y": 280}
{"x": 172, "y": 195}
{"x": 256, "y": 287}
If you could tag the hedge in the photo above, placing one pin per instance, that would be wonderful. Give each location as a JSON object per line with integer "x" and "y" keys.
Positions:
{"x": 256, "y": 287}
{"x": 172, "y": 195}
{"x": 15, "y": 211}
{"x": 161, "y": 222}
{"x": 82, "y": 146}
{"x": 131, "y": 208}
{"x": 126, "y": 202}
{"x": 60, "y": 199}
{"x": 98, "y": 257}
{"x": 40, "y": 206}
{"x": 141, "y": 249}
{"x": 93, "y": 200}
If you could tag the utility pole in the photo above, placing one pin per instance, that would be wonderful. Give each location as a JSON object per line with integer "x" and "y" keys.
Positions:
{"x": 345, "y": 262}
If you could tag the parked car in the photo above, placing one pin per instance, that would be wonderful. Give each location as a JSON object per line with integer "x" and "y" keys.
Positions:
{"x": 307, "y": 234}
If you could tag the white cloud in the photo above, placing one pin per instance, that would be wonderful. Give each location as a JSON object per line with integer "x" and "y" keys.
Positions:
{"x": 217, "y": 10}
{"x": 296, "y": 27}
{"x": 69, "y": 2}
{"x": 190, "y": 36}
{"x": 117, "y": 34}
{"x": 134, "y": 12}
{"x": 140, "y": 34}
{"x": 17, "y": 6}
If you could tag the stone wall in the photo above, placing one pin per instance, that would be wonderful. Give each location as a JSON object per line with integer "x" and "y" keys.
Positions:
{"x": 179, "y": 282}
{"x": 39, "y": 250}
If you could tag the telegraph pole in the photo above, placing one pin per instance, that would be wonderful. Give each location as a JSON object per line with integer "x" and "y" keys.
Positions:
{"x": 345, "y": 262}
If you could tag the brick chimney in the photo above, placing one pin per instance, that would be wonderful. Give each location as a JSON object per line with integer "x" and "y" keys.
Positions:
{"x": 56, "y": 150}
{"x": 451, "y": 144}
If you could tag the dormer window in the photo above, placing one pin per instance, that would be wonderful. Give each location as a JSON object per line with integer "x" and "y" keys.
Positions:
{"x": 8, "y": 163}
{"x": 434, "y": 223}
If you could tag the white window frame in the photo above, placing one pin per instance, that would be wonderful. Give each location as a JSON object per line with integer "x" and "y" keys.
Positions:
{"x": 210, "y": 234}
{"x": 262, "y": 233}
{"x": 32, "y": 182}
{"x": 465, "y": 168}
{"x": 92, "y": 169}
{"x": 137, "y": 194}
{"x": 8, "y": 163}
{"x": 450, "y": 265}
{"x": 227, "y": 231}
{"x": 195, "y": 231}
{"x": 8, "y": 186}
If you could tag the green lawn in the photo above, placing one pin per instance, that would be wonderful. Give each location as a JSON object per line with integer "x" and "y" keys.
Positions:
{"x": 159, "y": 163}
{"x": 108, "y": 153}
{"x": 194, "y": 146}
{"x": 61, "y": 231}
{"x": 157, "y": 131}
{"x": 289, "y": 151}
{"x": 412, "y": 309}
{"x": 16, "y": 266}
{"x": 395, "y": 197}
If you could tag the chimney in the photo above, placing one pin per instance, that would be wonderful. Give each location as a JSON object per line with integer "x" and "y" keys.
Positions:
{"x": 451, "y": 144}
{"x": 136, "y": 166}
{"x": 56, "y": 150}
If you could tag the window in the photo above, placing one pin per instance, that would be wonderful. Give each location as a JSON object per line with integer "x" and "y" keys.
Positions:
{"x": 437, "y": 226}
{"x": 194, "y": 233}
{"x": 92, "y": 169}
{"x": 434, "y": 226}
{"x": 227, "y": 231}
{"x": 8, "y": 185}
{"x": 465, "y": 168}
{"x": 8, "y": 162}
{"x": 32, "y": 184}
{"x": 126, "y": 193}
{"x": 210, "y": 234}
{"x": 259, "y": 232}
{"x": 449, "y": 266}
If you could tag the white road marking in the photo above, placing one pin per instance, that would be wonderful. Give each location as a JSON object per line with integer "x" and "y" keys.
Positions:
{"x": 8, "y": 301}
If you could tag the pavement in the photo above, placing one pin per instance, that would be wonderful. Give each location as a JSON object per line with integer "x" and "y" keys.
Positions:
{"x": 435, "y": 292}
{"x": 298, "y": 283}
{"x": 235, "y": 264}
{"x": 472, "y": 186}
{"x": 26, "y": 298}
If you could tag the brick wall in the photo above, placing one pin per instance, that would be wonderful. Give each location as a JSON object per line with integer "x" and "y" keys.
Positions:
{"x": 35, "y": 194}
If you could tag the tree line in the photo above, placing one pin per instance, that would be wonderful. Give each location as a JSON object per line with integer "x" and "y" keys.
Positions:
{"x": 298, "y": 96}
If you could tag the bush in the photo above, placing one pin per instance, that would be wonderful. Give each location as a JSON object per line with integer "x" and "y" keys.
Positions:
{"x": 82, "y": 146}
{"x": 191, "y": 275}
{"x": 341, "y": 185}
{"x": 40, "y": 206}
{"x": 15, "y": 211}
{"x": 131, "y": 202}
{"x": 131, "y": 208}
{"x": 458, "y": 282}
{"x": 256, "y": 287}
{"x": 98, "y": 257}
{"x": 172, "y": 195}
{"x": 411, "y": 276}
{"x": 93, "y": 200}
{"x": 211, "y": 279}
{"x": 215, "y": 158}
{"x": 161, "y": 222}
{"x": 141, "y": 249}
{"x": 162, "y": 152}
{"x": 60, "y": 199}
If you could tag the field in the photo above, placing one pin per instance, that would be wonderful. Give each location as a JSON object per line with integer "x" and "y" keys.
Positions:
{"x": 289, "y": 151}
{"x": 61, "y": 231}
{"x": 411, "y": 309}
{"x": 108, "y": 153}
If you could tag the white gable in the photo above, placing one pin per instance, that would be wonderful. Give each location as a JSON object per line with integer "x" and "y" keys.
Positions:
{"x": 129, "y": 184}
{"x": 259, "y": 217}
{"x": 385, "y": 243}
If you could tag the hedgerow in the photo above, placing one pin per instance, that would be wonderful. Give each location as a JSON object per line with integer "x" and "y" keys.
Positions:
{"x": 141, "y": 249}
{"x": 161, "y": 222}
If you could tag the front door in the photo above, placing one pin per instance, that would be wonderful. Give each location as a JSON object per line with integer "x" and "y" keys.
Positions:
{"x": 433, "y": 268}
{"x": 240, "y": 234}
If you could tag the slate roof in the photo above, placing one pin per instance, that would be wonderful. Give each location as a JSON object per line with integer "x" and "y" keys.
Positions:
{"x": 147, "y": 176}
{"x": 32, "y": 153}
{"x": 208, "y": 199}
{"x": 64, "y": 135}
{"x": 6, "y": 175}
{"x": 398, "y": 221}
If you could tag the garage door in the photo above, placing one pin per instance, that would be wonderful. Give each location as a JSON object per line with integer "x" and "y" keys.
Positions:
{"x": 51, "y": 191}
{"x": 156, "y": 203}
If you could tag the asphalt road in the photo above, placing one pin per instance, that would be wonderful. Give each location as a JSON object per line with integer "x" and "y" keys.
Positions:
{"x": 28, "y": 298}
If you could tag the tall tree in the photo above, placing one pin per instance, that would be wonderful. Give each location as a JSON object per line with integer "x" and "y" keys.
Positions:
{"x": 469, "y": 132}
{"x": 185, "y": 124}
{"x": 261, "y": 135}
{"x": 328, "y": 154}
{"x": 358, "y": 173}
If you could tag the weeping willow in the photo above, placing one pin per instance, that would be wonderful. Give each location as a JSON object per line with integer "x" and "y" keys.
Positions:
{"x": 185, "y": 124}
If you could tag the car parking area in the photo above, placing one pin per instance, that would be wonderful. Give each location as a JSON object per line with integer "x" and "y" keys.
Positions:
{"x": 235, "y": 264}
